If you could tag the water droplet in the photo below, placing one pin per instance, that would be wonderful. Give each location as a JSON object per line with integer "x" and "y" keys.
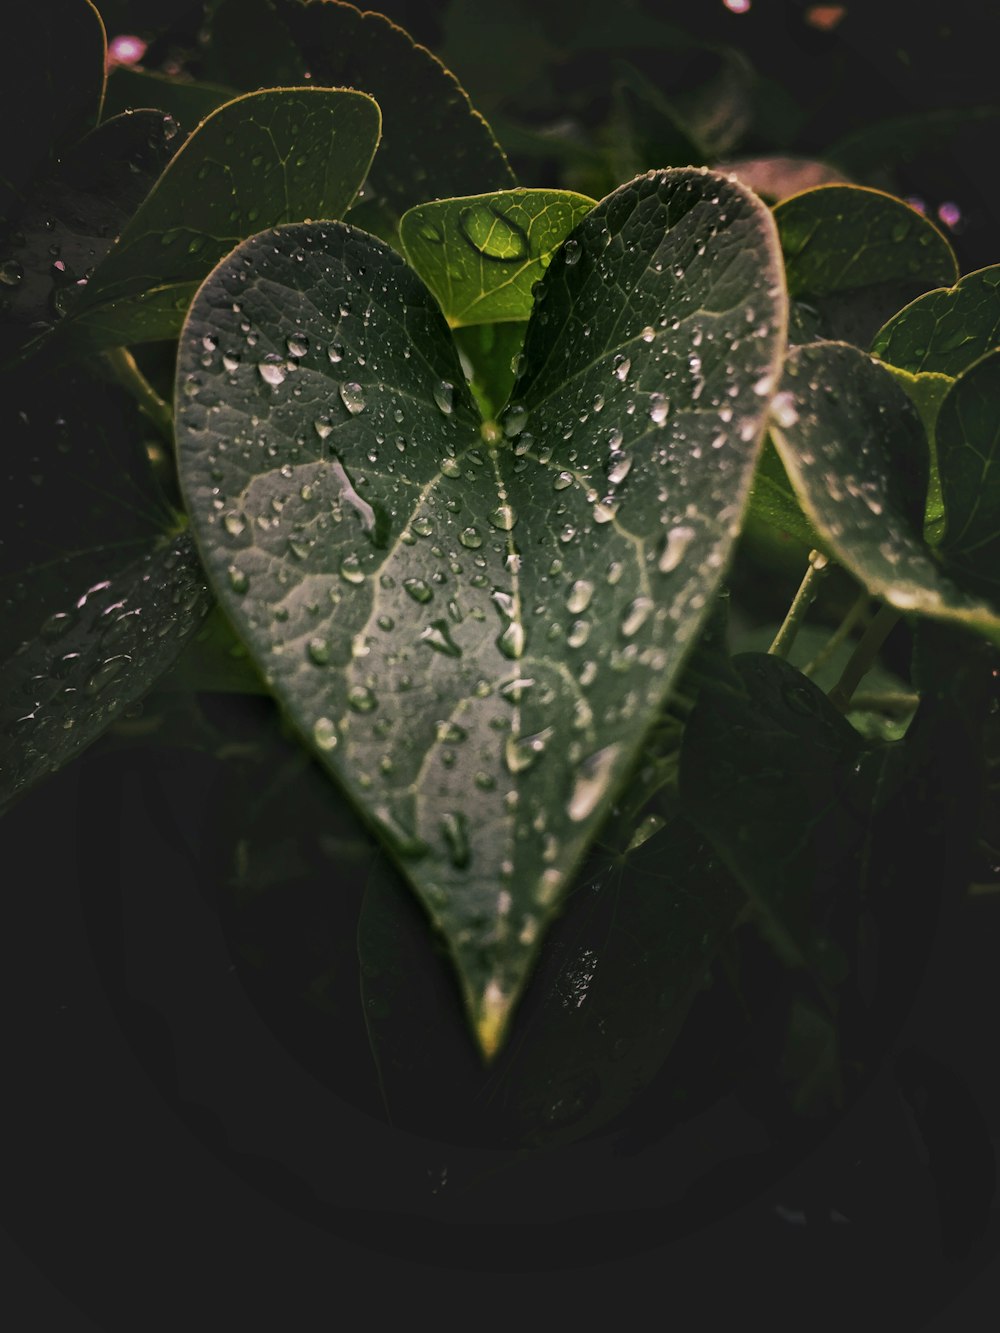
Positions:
{"x": 319, "y": 651}
{"x": 514, "y": 419}
{"x": 418, "y": 590}
{"x": 503, "y": 517}
{"x": 323, "y": 427}
{"x": 450, "y": 467}
{"x": 492, "y": 234}
{"x": 659, "y": 408}
{"x": 511, "y": 642}
{"x": 272, "y": 369}
{"x": 592, "y": 781}
{"x": 622, "y": 366}
{"x": 238, "y": 581}
{"x": 437, "y": 635}
{"x": 579, "y": 633}
{"x": 444, "y": 396}
{"x": 230, "y": 361}
{"x": 455, "y": 833}
{"x": 520, "y": 752}
{"x": 571, "y": 252}
{"x": 783, "y": 410}
{"x": 361, "y": 699}
{"x": 636, "y": 615}
{"x": 676, "y": 543}
{"x": 335, "y": 352}
{"x": 579, "y": 596}
{"x": 621, "y": 465}
{"x": 353, "y": 397}
{"x": 470, "y": 537}
{"x": 235, "y": 523}
{"x": 350, "y": 569}
{"x": 11, "y": 272}
{"x": 325, "y": 734}
{"x": 562, "y": 480}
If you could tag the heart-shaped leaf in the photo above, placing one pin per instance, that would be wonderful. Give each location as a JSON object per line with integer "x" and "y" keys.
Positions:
{"x": 475, "y": 627}
{"x": 944, "y": 331}
{"x": 481, "y": 255}
{"x": 856, "y": 452}
{"x": 853, "y": 257}
{"x": 270, "y": 157}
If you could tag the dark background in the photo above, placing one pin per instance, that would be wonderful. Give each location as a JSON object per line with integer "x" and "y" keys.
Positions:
{"x": 142, "y": 1185}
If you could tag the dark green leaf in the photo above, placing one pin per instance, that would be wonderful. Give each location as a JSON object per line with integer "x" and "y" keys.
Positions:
{"x": 188, "y": 101}
{"x": 968, "y": 441}
{"x": 266, "y": 158}
{"x": 856, "y": 453}
{"x": 51, "y": 91}
{"x": 74, "y": 218}
{"x": 482, "y": 255}
{"x": 434, "y": 145}
{"x": 250, "y": 47}
{"x": 944, "y": 331}
{"x": 853, "y": 257}
{"x": 474, "y": 626}
{"x": 98, "y": 594}
{"x": 902, "y": 139}
{"x": 767, "y": 774}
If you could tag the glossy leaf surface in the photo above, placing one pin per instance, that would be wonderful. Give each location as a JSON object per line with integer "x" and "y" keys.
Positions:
{"x": 481, "y": 255}
{"x": 475, "y": 627}
{"x": 853, "y": 257}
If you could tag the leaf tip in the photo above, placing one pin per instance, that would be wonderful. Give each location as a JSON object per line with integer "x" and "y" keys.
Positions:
{"x": 492, "y": 1014}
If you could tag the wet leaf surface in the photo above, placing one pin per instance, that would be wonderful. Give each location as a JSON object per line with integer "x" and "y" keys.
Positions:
{"x": 266, "y": 158}
{"x": 474, "y": 625}
{"x": 857, "y": 454}
{"x": 98, "y": 593}
{"x": 481, "y": 255}
{"x": 74, "y": 218}
{"x": 853, "y": 257}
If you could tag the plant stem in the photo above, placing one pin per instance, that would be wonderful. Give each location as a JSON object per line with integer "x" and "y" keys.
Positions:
{"x": 803, "y": 599}
{"x": 898, "y": 702}
{"x": 863, "y": 656}
{"x": 123, "y": 366}
{"x": 838, "y": 636}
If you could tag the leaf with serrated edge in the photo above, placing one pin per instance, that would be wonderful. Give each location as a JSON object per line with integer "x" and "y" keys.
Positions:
{"x": 856, "y": 453}
{"x": 944, "y": 331}
{"x": 853, "y": 256}
{"x": 282, "y": 155}
{"x": 481, "y": 254}
{"x": 475, "y": 629}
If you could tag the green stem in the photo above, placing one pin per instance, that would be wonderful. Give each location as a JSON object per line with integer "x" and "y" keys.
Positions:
{"x": 898, "y": 703}
{"x": 123, "y": 366}
{"x": 843, "y": 631}
{"x": 863, "y": 657}
{"x": 803, "y": 599}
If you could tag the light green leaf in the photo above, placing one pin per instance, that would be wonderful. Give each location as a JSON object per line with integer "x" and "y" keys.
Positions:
{"x": 944, "y": 331}
{"x": 263, "y": 159}
{"x": 853, "y": 257}
{"x": 481, "y": 255}
{"x": 475, "y": 627}
{"x": 773, "y": 499}
{"x": 856, "y": 453}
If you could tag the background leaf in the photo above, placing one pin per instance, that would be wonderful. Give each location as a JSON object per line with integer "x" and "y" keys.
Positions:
{"x": 263, "y": 159}
{"x": 856, "y": 453}
{"x": 944, "y": 331}
{"x": 390, "y": 565}
{"x": 853, "y": 257}
{"x": 59, "y": 45}
{"x": 481, "y": 255}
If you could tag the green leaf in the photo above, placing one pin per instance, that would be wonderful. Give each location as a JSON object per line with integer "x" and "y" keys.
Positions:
{"x": 98, "y": 594}
{"x": 435, "y": 144}
{"x": 853, "y": 257}
{"x": 773, "y": 499}
{"x": 944, "y": 331}
{"x": 58, "y": 45}
{"x": 927, "y": 391}
{"x": 73, "y": 219}
{"x": 481, "y": 255}
{"x": 968, "y": 441}
{"x": 856, "y": 453}
{"x": 263, "y": 159}
{"x": 189, "y": 101}
{"x": 470, "y": 626}
{"x": 901, "y": 139}
{"x": 766, "y": 773}
{"x": 490, "y": 355}
{"x": 250, "y": 47}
